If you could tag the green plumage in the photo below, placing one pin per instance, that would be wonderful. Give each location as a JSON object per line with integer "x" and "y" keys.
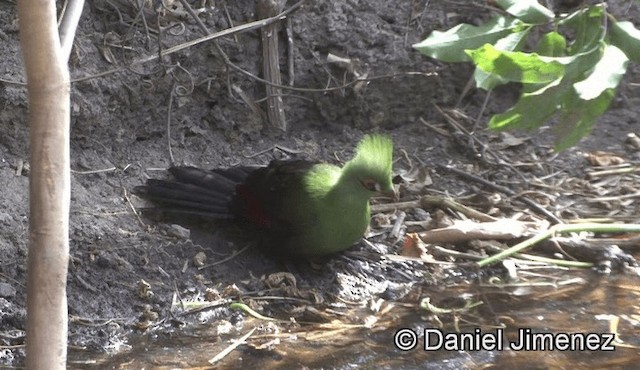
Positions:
{"x": 304, "y": 208}
{"x": 335, "y": 209}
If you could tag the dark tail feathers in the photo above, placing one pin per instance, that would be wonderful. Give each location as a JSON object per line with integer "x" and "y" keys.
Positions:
{"x": 194, "y": 192}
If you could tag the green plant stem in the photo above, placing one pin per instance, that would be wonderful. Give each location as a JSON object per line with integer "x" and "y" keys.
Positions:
{"x": 559, "y": 229}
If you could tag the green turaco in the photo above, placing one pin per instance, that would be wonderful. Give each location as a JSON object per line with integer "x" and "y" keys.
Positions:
{"x": 303, "y": 208}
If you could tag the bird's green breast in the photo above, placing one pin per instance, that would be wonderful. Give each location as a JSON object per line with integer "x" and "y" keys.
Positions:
{"x": 346, "y": 220}
{"x": 334, "y": 215}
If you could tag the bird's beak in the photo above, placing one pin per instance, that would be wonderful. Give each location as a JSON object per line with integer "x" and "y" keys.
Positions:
{"x": 389, "y": 193}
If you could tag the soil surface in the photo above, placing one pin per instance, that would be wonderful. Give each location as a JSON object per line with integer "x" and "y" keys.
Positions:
{"x": 125, "y": 270}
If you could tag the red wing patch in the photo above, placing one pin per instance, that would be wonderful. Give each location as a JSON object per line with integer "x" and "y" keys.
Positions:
{"x": 255, "y": 211}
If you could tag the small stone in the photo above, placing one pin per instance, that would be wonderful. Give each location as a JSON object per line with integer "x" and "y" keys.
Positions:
{"x": 421, "y": 215}
{"x": 199, "y": 259}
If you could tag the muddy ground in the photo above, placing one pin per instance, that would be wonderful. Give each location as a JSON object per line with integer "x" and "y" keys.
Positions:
{"x": 124, "y": 269}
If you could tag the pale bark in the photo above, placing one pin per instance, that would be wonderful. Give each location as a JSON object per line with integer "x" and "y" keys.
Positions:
{"x": 48, "y": 86}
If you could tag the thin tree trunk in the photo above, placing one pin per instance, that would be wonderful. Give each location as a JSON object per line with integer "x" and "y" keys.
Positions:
{"x": 271, "y": 62}
{"x": 48, "y": 85}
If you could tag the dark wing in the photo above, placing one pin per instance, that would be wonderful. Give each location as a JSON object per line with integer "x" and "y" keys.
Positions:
{"x": 269, "y": 197}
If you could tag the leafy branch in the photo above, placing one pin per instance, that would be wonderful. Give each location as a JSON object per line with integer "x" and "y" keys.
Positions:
{"x": 573, "y": 72}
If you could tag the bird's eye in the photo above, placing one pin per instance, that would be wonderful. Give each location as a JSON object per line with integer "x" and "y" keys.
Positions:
{"x": 370, "y": 184}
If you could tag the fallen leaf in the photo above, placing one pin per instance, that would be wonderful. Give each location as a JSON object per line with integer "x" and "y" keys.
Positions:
{"x": 603, "y": 159}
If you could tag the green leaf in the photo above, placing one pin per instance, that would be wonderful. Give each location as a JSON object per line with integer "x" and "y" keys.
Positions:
{"x": 578, "y": 118}
{"x": 532, "y": 109}
{"x": 529, "y": 11}
{"x": 488, "y": 81}
{"x": 588, "y": 25}
{"x": 576, "y": 66}
{"x": 573, "y": 19}
{"x": 625, "y": 36}
{"x": 552, "y": 44}
{"x": 516, "y": 66}
{"x": 450, "y": 46}
{"x": 606, "y": 74}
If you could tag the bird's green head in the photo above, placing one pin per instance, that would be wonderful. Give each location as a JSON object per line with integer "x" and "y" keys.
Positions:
{"x": 370, "y": 168}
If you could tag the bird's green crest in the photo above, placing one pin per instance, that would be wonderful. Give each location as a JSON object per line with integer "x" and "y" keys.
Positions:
{"x": 373, "y": 159}
{"x": 375, "y": 152}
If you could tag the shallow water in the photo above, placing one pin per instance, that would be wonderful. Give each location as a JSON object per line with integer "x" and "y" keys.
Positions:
{"x": 574, "y": 302}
